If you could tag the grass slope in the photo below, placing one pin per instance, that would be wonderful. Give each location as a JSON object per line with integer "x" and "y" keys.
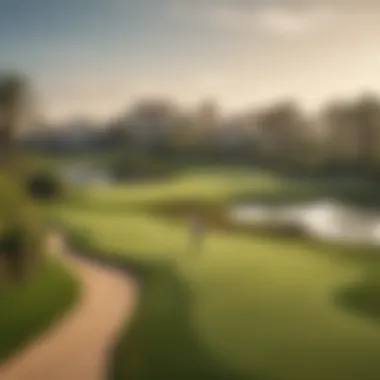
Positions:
{"x": 27, "y": 310}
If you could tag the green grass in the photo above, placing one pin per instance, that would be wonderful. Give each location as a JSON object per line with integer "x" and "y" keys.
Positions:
{"x": 29, "y": 309}
{"x": 215, "y": 186}
{"x": 247, "y": 307}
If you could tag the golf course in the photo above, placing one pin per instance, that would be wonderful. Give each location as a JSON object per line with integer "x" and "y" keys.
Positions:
{"x": 247, "y": 306}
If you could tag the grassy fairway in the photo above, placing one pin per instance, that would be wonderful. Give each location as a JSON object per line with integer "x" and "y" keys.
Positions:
{"x": 27, "y": 310}
{"x": 246, "y": 308}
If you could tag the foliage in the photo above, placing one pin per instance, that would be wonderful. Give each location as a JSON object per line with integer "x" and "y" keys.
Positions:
{"x": 21, "y": 231}
{"x": 45, "y": 185}
{"x": 13, "y": 110}
{"x": 353, "y": 130}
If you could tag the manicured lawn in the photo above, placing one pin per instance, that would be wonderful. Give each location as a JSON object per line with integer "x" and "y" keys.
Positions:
{"x": 27, "y": 310}
{"x": 247, "y": 307}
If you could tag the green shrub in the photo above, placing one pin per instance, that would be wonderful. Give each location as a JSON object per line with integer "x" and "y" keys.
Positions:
{"x": 44, "y": 185}
{"x": 21, "y": 231}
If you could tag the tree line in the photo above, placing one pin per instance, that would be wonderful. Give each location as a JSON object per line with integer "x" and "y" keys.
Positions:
{"x": 343, "y": 137}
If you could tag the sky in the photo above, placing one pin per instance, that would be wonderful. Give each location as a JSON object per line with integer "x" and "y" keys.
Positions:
{"x": 94, "y": 58}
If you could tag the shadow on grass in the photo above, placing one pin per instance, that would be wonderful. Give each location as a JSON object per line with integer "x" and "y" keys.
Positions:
{"x": 362, "y": 298}
{"x": 358, "y": 194}
{"x": 160, "y": 343}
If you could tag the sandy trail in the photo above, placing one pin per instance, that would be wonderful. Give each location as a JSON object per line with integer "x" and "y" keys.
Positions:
{"x": 77, "y": 347}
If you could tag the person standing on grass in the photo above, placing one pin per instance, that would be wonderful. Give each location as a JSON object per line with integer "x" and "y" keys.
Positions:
{"x": 197, "y": 232}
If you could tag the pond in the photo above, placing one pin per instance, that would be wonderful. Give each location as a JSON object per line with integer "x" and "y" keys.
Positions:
{"x": 82, "y": 173}
{"x": 323, "y": 219}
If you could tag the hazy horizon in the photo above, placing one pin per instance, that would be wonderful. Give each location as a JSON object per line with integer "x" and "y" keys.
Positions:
{"x": 94, "y": 58}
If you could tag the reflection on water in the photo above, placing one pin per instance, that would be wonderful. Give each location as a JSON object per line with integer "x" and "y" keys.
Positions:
{"x": 323, "y": 219}
{"x": 83, "y": 174}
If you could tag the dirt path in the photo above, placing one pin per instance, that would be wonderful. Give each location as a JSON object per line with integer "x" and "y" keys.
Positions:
{"x": 77, "y": 348}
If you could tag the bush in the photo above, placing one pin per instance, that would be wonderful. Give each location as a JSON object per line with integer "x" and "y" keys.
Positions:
{"x": 21, "y": 231}
{"x": 44, "y": 185}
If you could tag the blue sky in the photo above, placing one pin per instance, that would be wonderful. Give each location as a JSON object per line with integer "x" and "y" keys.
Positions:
{"x": 95, "y": 57}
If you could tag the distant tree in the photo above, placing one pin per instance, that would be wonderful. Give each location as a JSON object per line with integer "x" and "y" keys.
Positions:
{"x": 280, "y": 130}
{"x": 367, "y": 117}
{"x": 208, "y": 115}
{"x": 13, "y": 104}
{"x": 354, "y": 131}
{"x": 117, "y": 136}
{"x": 338, "y": 118}
{"x": 151, "y": 122}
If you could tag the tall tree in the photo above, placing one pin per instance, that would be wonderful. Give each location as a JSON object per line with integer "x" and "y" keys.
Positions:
{"x": 13, "y": 101}
{"x": 281, "y": 130}
{"x": 339, "y": 121}
{"x": 367, "y": 116}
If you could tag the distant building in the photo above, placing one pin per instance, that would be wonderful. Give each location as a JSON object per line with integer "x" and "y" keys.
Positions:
{"x": 152, "y": 121}
{"x": 207, "y": 116}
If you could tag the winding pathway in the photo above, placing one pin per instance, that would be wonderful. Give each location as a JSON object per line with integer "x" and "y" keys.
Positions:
{"x": 77, "y": 347}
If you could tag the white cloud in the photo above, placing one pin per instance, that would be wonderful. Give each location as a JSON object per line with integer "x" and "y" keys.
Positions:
{"x": 287, "y": 20}
{"x": 273, "y": 18}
